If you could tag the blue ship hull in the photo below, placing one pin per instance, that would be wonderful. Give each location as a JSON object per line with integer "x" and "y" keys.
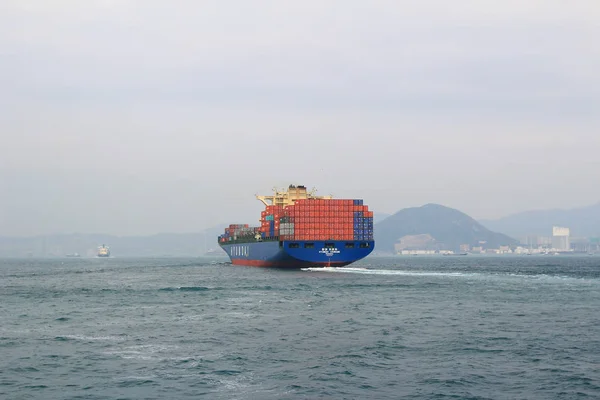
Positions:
{"x": 297, "y": 254}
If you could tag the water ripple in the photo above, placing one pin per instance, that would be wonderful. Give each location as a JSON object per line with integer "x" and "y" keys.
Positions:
{"x": 385, "y": 328}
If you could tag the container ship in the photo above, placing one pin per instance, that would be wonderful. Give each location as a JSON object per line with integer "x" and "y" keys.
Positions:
{"x": 299, "y": 229}
{"x": 103, "y": 251}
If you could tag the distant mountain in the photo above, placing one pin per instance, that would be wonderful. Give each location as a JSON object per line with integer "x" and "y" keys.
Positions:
{"x": 583, "y": 222}
{"x": 449, "y": 227}
{"x": 378, "y": 217}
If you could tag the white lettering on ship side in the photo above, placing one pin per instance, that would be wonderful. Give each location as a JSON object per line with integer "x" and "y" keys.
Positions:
{"x": 240, "y": 251}
{"x": 329, "y": 251}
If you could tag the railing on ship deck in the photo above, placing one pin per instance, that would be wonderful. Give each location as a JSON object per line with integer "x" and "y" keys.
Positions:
{"x": 250, "y": 239}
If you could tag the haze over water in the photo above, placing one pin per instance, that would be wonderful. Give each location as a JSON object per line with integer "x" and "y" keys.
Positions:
{"x": 385, "y": 328}
{"x": 135, "y": 117}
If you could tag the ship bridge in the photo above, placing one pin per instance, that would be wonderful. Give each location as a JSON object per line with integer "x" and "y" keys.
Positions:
{"x": 287, "y": 197}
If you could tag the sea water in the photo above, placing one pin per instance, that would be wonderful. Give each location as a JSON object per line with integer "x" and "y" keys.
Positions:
{"x": 383, "y": 328}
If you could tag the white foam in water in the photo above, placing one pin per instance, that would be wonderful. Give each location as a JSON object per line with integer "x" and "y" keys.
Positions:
{"x": 384, "y": 271}
{"x": 478, "y": 275}
{"x": 350, "y": 269}
{"x": 94, "y": 338}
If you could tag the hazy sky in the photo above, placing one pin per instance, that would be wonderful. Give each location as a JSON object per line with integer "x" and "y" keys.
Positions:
{"x": 138, "y": 117}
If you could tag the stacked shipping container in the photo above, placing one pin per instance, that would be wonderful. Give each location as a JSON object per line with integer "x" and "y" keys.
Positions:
{"x": 327, "y": 219}
{"x": 270, "y": 221}
{"x": 238, "y": 231}
{"x": 312, "y": 219}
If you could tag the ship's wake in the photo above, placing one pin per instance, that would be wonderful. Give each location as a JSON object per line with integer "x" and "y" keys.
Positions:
{"x": 368, "y": 271}
{"x": 468, "y": 275}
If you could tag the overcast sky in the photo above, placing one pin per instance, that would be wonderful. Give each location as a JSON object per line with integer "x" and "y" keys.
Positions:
{"x": 137, "y": 117}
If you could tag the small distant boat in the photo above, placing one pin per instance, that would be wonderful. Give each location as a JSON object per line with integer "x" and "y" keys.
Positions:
{"x": 72, "y": 255}
{"x": 456, "y": 254}
{"x": 103, "y": 251}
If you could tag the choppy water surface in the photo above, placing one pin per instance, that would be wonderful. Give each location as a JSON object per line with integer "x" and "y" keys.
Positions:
{"x": 427, "y": 328}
